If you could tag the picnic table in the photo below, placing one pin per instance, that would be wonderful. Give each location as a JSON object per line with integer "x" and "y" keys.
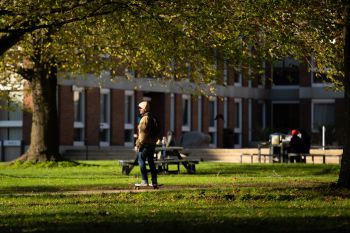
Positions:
{"x": 164, "y": 159}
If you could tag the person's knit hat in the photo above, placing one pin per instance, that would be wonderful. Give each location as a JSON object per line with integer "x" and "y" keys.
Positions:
{"x": 144, "y": 105}
{"x": 295, "y": 132}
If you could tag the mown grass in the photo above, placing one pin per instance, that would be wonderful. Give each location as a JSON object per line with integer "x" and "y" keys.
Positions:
{"x": 94, "y": 196}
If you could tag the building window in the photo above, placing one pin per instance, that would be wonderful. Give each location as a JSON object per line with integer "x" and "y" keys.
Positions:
{"x": 212, "y": 121}
{"x": 186, "y": 113}
{"x": 105, "y": 101}
{"x": 290, "y": 112}
{"x": 10, "y": 121}
{"x": 286, "y": 72}
{"x": 323, "y": 114}
{"x": 238, "y": 123}
{"x": 259, "y": 121}
{"x": 238, "y": 75}
{"x": 129, "y": 116}
{"x": 79, "y": 110}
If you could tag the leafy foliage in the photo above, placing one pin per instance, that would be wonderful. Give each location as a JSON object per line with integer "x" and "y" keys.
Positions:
{"x": 167, "y": 39}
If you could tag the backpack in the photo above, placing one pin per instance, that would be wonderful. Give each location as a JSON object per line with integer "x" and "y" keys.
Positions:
{"x": 154, "y": 127}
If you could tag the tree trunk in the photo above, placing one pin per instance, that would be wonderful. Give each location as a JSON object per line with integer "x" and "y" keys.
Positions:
{"x": 344, "y": 175}
{"x": 44, "y": 141}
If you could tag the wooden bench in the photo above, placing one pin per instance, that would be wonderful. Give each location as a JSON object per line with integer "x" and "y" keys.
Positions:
{"x": 162, "y": 166}
{"x": 296, "y": 156}
{"x": 267, "y": 157}
{"x": 259, "y": 156}
{"x": 324, "y": 156}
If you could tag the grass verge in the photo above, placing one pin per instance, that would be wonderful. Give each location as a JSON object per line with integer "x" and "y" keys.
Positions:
{"x": 221, "y": 197}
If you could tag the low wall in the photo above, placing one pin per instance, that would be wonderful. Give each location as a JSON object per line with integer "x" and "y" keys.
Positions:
{"x": 204, "y": 154}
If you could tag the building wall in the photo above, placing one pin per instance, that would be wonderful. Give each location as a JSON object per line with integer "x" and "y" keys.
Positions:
{"x": 245, "y": 123}
{"x": 194, "y": 113}
{"x": 166, "y": 112}
{"x": 66, "y": 115}
{"x": 162, "y": 95}
{"x": 305, "y": 115}
{"x": 92, "y": 116}
{"x": 178, "y": 116}
{"x": 205, "y": 115}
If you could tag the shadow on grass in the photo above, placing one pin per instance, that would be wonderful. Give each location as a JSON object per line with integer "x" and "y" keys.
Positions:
{"x": 175, "y": 224}
{"x": 259, "y": 169}
{"x": 49, "y": 164}
{"x": 55, "y": 189}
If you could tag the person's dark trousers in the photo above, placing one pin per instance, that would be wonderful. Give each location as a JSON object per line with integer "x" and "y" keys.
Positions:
{"x": 146, "y": 153}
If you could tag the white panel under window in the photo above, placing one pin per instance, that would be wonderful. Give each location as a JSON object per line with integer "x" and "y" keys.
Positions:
{"x": 238, "y": 123}
{"x": 323, "y": 114}
{"x": 186, "y": 113}
{"x": 79, "y": 118}
{"x": 212, "y": 121}
{"x": 129, "y": 116}
{"x": 105, "y": 103}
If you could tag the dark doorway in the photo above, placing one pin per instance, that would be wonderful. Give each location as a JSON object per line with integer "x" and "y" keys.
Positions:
{"x": 285, "y": 117}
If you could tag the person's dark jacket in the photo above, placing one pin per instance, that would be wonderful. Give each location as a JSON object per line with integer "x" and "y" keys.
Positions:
{"x": 295, "y": 145}
{"x": 306, "y": 142}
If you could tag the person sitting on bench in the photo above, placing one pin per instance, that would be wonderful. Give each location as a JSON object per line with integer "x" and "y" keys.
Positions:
{"x": 295, "y": 147}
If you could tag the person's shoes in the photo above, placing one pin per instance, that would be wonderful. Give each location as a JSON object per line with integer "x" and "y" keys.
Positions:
{"x": 144, "y": 183}
{"x": 155, "y": 186}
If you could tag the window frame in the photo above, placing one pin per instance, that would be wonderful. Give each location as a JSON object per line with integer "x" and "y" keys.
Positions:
{"x": 187, "y": 127}
{"x": 129, "y": 126}
{"x": 105, "y": 125}
{"x": 212, "y": 129}
{"x": 238, "y": 127}
{"x": 284, "y": 86}
{"x": 79, "y": 124}
{"x": 313, "y": 72}
{"x": 315, "y": 102}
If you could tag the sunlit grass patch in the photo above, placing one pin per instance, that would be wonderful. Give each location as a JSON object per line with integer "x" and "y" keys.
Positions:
{"x": 93, "y": 196}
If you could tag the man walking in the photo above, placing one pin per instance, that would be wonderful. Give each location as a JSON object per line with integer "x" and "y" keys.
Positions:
{"x": 145, "y": 144}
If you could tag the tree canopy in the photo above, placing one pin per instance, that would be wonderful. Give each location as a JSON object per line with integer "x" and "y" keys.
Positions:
{"x": 165, "y": 38}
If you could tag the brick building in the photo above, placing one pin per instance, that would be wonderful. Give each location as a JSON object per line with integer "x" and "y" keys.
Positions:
{"x": 101, "y": 112}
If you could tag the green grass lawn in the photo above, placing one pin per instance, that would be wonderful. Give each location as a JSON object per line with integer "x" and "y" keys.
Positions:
{"x": 94, "y": 196}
